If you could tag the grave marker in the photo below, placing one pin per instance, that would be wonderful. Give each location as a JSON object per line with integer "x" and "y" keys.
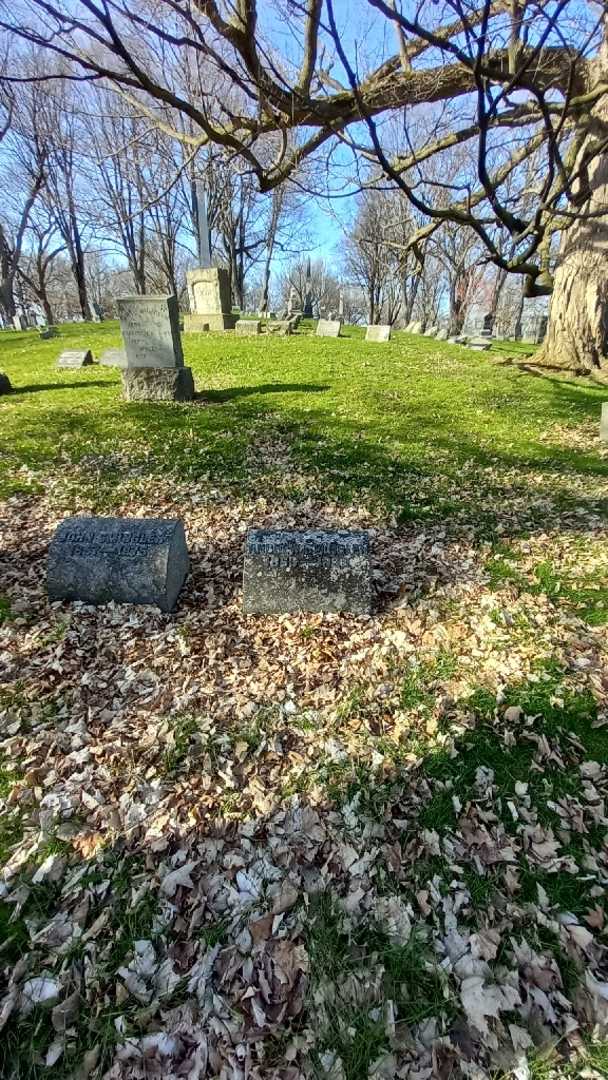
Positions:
{"x": 5, "y": 384}
{"x": 312, "y": 570}
{"x": 150, "y": 331}
{"x": 75, "y": 358}
{"x": 378, "y": 332}
{"x": 245, "y": 327}
{"x": 328, "y": 328}
{"x": 129, "y": 560}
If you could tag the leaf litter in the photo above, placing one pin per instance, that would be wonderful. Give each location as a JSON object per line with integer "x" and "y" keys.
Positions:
{"x": 254, "y": 847}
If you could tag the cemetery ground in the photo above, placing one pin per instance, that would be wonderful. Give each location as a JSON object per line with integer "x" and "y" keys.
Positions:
{"x": 305, "y": 845}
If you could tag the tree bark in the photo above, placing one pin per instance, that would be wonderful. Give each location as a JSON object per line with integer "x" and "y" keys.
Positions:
{"x": 577, "y": 335}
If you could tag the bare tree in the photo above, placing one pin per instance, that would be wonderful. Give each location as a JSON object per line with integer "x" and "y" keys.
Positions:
{"x": 512, "y": 78}
{"x": 24, "y": 160}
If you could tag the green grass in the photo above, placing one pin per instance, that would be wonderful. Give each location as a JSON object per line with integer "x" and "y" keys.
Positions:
{"x": 410, "y": 425}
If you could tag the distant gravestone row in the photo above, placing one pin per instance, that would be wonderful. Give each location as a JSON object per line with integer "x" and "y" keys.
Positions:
{"x": 145, "y": 561}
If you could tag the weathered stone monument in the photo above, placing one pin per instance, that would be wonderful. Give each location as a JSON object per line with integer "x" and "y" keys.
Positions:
{"x": 210, "y": 300}
{"x": 114, "y": 358}
{"x": 603, "y": 422}
{"x": 247, "y": 327}
{"x": 415, "y": 327}
{"x": 432, "y": 330}
{"x": 441, "y": 335}
{"x": 379, "y": 332}
{"x": 307, "y": 309}
{"x": 208, "y": 286}
{"x": 311, "y": 570}
{"x": 282, "y": 327}
{"x": 129, "y": 560}
{"x": 19, "y": 322}
{"x": 75, "y": 358}
{"x": 5, "y": 384}
{"x": 328, "y": 328}
{"x": 155, "y": 362}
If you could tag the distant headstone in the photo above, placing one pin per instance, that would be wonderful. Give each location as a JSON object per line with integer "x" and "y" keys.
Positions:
{"x": 157, "y": 384}
{"x": 19, "y": 322}
{"x": 380, "y": 332}
{"x": 150, "y": 331}
{"x": 5, "y": 384}
{"x": 282, "y": 327}
{"x": 48, "y": 332}
{"x": 328, "y": 328}
{"x": 314, "y": 570}
{"x": 603, "y": 422}
{"x": 481, "y": 344}
{"x": 432, "y": 330}
{"x": 415, "y": 327}
{"x": 441, "y": 335}
{"x": 75, "y": 358}
{"x": 129, "y": 560}
{"x": 210, "y": 300}
{"x": 246, "y": 327}
{"x": 114, "y": 358}
{"x": 488, "y": 322}
{"x": 457, "y": 339}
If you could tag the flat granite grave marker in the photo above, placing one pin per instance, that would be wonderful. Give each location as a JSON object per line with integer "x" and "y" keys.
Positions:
{"x": 329, "y": 328}
{"x": 75, "y": 358}
{"x": 129, "y": 560}
{"x": 289, "y": 570}
{"x": 378, "y": 332}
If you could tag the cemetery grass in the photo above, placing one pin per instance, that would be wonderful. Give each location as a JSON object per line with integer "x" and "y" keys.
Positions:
{"x": 304, "y": 845}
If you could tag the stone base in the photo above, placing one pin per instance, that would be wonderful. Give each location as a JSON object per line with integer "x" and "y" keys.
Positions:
{"x": 197, "y": 324}
{"x": 157, "y": 384}
{"x": 5, "y": 384}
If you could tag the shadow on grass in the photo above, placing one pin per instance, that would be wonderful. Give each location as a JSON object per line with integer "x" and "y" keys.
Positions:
{"x": 36, "y": 388}
{"x": 234, "y": 392}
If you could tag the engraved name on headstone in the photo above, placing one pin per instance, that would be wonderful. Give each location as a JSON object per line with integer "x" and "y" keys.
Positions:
{"x": 75, "y": 358}
{"x": 312, "y": 570}
{"x": 380, "y": 332}
{"x": 150, "y": 331}
{"x": 129, "y": 560}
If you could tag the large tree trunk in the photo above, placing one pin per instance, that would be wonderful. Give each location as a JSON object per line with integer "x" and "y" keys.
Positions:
{"x": 577, "y": 335}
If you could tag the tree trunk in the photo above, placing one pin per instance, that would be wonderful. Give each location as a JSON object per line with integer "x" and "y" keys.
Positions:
{"x": 577, "y": 335}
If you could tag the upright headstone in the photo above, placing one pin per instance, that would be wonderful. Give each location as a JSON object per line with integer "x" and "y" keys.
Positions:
{"x": 432, "y": 330}
{"x": 210, "y": 300}
{"x": 328, "y": 328}
{"x": 604, "y": 422}
{"x": 488, "y": 322}
{"x": 441, "y": 335}
{"x": 313, "y": 570}
{"x": 416, "y": 327}
{"x": 129, "y": 560}
{"x": 155, "y": 362}
{"x": 247, "y": 327}
{"x": 5, "y": 384}
{"x": 19, "y": 322}
{"x": 378, "y": 332}
{"x": 282, "y": 327}
{"x": 291, "y": 303}
{"x": 75, "y": 358}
